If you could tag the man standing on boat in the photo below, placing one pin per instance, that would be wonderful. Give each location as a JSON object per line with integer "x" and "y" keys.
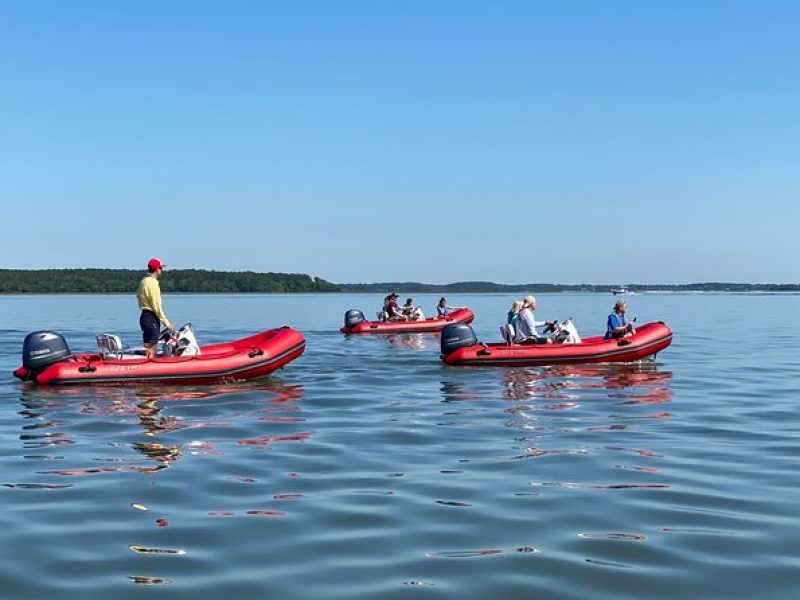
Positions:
{"x": 152, "y": 317}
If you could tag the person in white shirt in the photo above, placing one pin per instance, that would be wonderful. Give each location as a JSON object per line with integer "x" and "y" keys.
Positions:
{"x": 443, "y": 309}
{"x": 526, "y": 324}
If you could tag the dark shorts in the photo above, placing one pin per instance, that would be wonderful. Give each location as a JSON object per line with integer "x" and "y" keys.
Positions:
{"x": 151, "y": 327}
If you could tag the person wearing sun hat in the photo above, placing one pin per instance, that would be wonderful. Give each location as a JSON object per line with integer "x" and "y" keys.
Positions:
{"x": 392, "y": 309}
{"x": 149, "y": 297}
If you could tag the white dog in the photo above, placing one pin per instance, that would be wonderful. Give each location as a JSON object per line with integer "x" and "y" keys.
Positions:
{"x": 566, "y": 332}
{"x": 186, "y": 344}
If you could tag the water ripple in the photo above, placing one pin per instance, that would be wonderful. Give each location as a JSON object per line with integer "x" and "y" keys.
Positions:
{"x": 369, "y": 469}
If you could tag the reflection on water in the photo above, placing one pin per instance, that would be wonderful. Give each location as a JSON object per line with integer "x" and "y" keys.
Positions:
{"x": 149, "y": 407}
{"x": 634, "y": 382}
{"x": 562, "y": 386}
{"x": 559, "y": 414}
{"x": 411, "y": 341}
{"x": 454, "y": 391}
{"x": 119, "y": 426}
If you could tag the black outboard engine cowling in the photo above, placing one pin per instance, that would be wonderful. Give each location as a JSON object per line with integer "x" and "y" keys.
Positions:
{"x": 457, "y": 335}
{"x": 43, "y": 348}
{"x": 353, "y": 318}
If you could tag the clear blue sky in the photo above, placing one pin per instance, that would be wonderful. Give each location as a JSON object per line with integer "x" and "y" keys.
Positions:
{"x": 530, "y": 141}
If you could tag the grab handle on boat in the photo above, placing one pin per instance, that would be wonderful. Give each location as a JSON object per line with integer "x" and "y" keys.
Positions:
{"x": 256, "y": 352}
{"x": 623, "y": 342}
{"x": 88, "y": 367}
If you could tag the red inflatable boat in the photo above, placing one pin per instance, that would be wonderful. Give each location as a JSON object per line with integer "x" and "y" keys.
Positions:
{"x": 461, "y": 347}
{"x": 48, "y": 361}
{"x": 354, "y": 322}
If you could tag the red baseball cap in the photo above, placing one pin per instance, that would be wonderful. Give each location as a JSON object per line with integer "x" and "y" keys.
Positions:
{"x": 155, "y": 264}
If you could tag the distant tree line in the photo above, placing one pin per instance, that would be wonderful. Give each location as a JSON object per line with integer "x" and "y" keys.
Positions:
{"x": 489, "y": 287}
{"x": 198, "y": 281}
{"x": 114, "y": 281}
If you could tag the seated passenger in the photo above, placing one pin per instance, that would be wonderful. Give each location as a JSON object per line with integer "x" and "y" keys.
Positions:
{"x": 392, "y": 309}
{"x": 443, "y": 309}
{"x": 527, "y": 324}
{"x": 383, "y": 314}
{"x": 618, "y": 325}
{"x": 513, "y": 313}
{"x": 409, "y": 311}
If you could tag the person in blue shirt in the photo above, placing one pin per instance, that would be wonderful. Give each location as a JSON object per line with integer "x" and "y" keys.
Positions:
{"x": 618, "y": 325}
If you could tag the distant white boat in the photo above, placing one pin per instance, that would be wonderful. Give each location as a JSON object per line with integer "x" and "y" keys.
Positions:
{"x": 621, "y": 291}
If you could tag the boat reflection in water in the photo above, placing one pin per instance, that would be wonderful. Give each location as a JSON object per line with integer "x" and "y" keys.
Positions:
{"x": 634, "y": 383}
{"x": 57, "y": 415}
{"x": 457, "y": 392}
{"x": 415, "y": 341}
{"x": 567, "y": 411}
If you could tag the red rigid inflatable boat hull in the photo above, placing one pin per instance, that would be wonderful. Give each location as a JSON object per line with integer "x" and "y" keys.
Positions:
{"x": 648, "y": 339}
{"x": 460, "y": 315}
{"x": 247, "y": 358}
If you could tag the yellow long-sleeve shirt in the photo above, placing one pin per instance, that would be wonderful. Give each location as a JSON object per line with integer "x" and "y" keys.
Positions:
{"x": 149, "y": 296}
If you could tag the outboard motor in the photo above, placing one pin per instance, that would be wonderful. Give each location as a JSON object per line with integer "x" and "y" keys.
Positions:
{"x": 353, "y": 318}
{"x": 457, "y": 335}
{"x": 42, "y": 349}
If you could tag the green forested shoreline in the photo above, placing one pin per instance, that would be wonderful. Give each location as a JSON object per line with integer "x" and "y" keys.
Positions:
{"x": 467, "y": 287}
{"x": 114, "y": 281}
{"x": 200, "y": 281}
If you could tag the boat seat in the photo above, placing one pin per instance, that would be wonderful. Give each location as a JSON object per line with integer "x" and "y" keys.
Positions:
{"x": 109, "y": 344}
{"x": 507, "y": 333}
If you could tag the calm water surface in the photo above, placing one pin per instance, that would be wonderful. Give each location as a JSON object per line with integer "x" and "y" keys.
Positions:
{"x": 369, "y": 469}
